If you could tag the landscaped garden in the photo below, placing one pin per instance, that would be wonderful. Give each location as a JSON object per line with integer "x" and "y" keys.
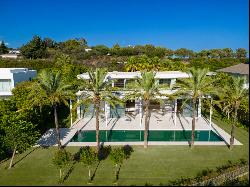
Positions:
{"x": 153, "y": 166}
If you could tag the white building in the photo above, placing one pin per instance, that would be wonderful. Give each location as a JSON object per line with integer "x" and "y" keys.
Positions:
{"x": 9, "y": 55}
{"x": 14, "y": 51}
{"x": 121, "y": 79}
{"x": 9, "y": 77}
{"x": 88, "y": 49}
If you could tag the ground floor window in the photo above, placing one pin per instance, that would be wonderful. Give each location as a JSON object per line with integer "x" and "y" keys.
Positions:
{"x": 117, "y": 112}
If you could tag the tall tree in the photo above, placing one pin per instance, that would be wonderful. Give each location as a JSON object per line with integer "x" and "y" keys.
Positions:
{"x": 241, "y": 53}
{"x": 184, "y": 53}
{"x": 19, "y": 134}
{"x": 51, "y": 89}
{"x": 231, "y": 97}
{"x": 3, "y": 48}
{"x": 36, "y": 48}
{"x": 227, "y": 52}
{"x": 197, "y": 85}
{"x": 96, "y": 90}
{"x": 147, "y": 88}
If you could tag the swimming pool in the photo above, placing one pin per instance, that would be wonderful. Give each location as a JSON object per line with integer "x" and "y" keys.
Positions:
{"x": 137, "y": 135}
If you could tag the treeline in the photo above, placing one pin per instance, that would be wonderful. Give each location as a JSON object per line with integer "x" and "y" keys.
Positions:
{"x": 78, "y": 49}
{"x": 41, "y": 53}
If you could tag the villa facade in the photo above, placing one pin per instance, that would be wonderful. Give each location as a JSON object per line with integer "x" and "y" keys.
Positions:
{"x": 120, "y": 80}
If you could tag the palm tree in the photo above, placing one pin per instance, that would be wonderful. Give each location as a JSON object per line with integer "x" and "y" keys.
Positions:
{"x": 231, "y": 96}
{"x": 146, "y": 88}
{"x": 197, "y": 85}
{"x": 95, "y": 90}
{"x": 50, "y": 89}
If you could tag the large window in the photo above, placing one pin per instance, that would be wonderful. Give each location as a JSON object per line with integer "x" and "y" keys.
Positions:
{"x": 5, "y": 85}
{"x": 117, "y": 111}
{"x": 165, "y": 81}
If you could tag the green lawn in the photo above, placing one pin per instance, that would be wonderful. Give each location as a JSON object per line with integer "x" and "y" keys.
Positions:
{"x": 157, "y": 164}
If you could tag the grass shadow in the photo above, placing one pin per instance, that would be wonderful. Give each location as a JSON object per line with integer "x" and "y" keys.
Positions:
{"x": 118, "y": 172}
{"x": 93, "y": 176}
{"x": 104, "y": 152}
{"x": 69, "y": 172}
{"x": 24, "y": 156}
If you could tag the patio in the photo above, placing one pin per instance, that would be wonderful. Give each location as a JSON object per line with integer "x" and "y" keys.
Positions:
{"x": 158, "y": 121}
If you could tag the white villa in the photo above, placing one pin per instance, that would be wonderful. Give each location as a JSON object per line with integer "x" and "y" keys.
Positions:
{"x": 9, "y": 77}
{"x": 169, "y": 115}
{"x": 134, "y": 107}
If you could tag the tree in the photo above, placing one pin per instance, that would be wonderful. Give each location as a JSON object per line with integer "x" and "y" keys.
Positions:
{"x": 50, "y": 89}
{"x": 197, "y": 85}
{"x": 49, "y": 42}
{"x": 61, "y": 159}
{"x": 147, "y": 88}
{"x": 184, "y": 53}
{"x": 100, "y": 50}
{"x": 3, "y": 48}
{"x": 241, "y": 53}
{"x": 96, "y": 90}
{"x": 117, "y": 156}
{"x": 227, "y": 52}
{"x": 88, "y": 157}
{"x": 19, "y": 134}
{"x": 36, "y": 48}
{"x": 231, "y": 97}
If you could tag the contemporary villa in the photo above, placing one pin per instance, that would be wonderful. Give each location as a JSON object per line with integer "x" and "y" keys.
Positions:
{"x": 170, "y": 120}
{"x": 9, "y": 77}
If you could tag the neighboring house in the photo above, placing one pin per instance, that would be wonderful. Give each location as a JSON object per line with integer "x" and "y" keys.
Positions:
{"x": 238, "y": 70}
{"x": 121, "y": 80}
{"x": 88, "y": 49}
{"x": 14, "y": 51}
{"x": 9, "y": 77}
{"x": 9, "y": 55}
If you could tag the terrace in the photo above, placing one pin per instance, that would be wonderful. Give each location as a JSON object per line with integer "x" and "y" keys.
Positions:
{"x": 158, "y": 121}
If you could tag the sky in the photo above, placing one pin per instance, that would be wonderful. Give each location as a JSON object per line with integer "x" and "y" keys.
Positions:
{"x": 192, "y": 24}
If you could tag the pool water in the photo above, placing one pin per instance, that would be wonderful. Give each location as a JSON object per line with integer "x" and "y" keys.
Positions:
{"x": 137, "y": 135}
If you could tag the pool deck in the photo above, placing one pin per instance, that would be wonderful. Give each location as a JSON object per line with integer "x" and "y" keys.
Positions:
{"x": 158, "y": 121}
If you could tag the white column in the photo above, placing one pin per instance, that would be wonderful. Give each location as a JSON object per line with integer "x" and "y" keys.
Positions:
{"x": 113, "y": 83}
{"x": 70, "y": 108}
{"x": 175, "y": 111}
{"x": 211, "y": 112}
{"x": 78, "y": 109}
{"x": 125, "y": 80}
{"x": 106, "y": 114}
{"x": 199, "y": 108}
{"x": 172, "y": 83}
{"x": 141, "y": 112}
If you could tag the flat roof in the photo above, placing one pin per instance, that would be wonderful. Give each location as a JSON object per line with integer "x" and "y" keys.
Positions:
{"x": 132, "y": 75}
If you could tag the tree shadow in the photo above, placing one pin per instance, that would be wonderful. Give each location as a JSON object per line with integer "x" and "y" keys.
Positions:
{"x": 104, "y": 152}
{"x": 118, "y": 171}
{"x": 128, "y": 150}
{"x": 76, "y": 158}
{"x": 93, "y": 176}
{"x": 24, "y": 156}
{"x": 69, "y": 172}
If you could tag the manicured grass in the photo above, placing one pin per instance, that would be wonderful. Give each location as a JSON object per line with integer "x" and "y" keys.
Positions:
{"x": 155, "y": 165}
